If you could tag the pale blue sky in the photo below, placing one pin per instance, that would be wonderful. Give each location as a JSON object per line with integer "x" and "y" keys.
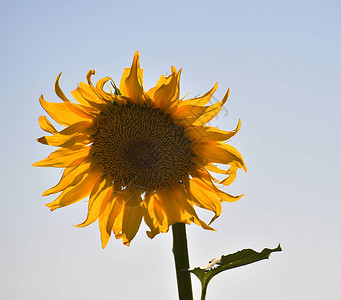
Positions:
{"x": 281, "y": 60}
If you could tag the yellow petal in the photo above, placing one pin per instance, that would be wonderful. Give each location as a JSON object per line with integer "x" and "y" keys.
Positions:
{"x": 58, "y": 90}
{"x": 188, "y": 115}
{"x": 84, "y": 129}
{"x": 232, "y": 172}
{"x": 98, "y": 92}
{"x": 206, "y": 178}
{"x": 132, "y": 215}
{"x": 211, "y": 111}
{"x": 78, "y": 192}
{"x": 87, "y": 113}
{"x": 60, "y": 112}
{"x": 205, "y": 197}
{"x": 83, "y": 97}
{"x": 100, "y": 85}
{"x": 70, "y": 177}
{"x": 154, "y": 215}
{"x": 165, "y": 94}
{"x": 216, "y": 152}
{"x": 46, "y": 125}
{"x": 131, "y": 84}
{"x": 211, "y": 167}
{"x": 82, "y": 111}
{"x": 62, "y": 158}
{"x": 105, "y": 211}
{"x": 88, "y": 95}
{"x": 200, "y": 101}
{"x": 110, "y": 215}
{"x": 178, "y": 208}
{"x": 79, "y": 132}
{"x": 181, "y": 197}
{"x": 171, "y": 208}
{"x": 117, "y": 219}
{"x": 100, "y": 194}
{"x": 227, "y": 197}
{"x": 88, "y": 78}
{"x": 208, "y": 133}
{"x": 73, "y": 142}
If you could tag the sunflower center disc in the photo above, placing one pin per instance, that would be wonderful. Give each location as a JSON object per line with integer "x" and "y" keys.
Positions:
{"x": 141, "y": 147}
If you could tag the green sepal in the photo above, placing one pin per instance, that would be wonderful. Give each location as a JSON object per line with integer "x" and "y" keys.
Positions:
{"x": 230, "y": 261}
{"x": 117, "y": 91}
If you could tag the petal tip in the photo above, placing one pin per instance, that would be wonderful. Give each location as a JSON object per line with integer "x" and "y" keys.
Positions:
{"x": 105, "y": 242}
{"x": 90, "y": 73}
{"x": 50, "y": 206}
{"x": 212, "y": 220}
{"x": 42, "y": 140}
{"x": 239, "y": 124}
{"x": 58, "y": 77}
{"x": 226, "y": 95}
{"x": 238, "y": 197}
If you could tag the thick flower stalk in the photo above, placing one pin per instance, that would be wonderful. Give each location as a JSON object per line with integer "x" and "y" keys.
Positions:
{"x": 138, "y": 154}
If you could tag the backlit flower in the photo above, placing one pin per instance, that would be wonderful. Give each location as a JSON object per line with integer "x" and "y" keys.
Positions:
{"x": 138, "y": 155}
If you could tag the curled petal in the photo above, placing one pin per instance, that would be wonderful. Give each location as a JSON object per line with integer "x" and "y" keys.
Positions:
{"x": 97, "y": 92}
{"x": 59, "y": 91}
{"x": 46, "y": 125}
{"x": 81, "y": 111}
{"x": 232, "y": 173}
{"x": 60, "y": 112}
{"x": 86, "y": 97}
{"x": 100, "y": 85}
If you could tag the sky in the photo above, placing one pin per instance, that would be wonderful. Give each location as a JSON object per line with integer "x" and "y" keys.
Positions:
{"x": 281, "y": 61}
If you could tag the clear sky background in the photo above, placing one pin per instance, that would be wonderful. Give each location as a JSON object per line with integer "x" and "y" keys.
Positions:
{"x": 282, "y": 62}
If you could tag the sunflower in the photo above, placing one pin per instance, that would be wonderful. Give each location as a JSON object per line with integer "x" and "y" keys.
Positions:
{"x": 138, "y": 155}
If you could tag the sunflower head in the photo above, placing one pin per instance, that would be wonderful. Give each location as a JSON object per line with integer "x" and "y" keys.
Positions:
{"x": 138, "y": 154}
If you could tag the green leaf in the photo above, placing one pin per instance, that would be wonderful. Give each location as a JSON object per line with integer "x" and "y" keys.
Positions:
{"x": 230, "y": 261}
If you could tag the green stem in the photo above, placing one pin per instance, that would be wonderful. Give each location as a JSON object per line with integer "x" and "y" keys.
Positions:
{"x": 203, "y": 292}
{"x": 180, "y": 252}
